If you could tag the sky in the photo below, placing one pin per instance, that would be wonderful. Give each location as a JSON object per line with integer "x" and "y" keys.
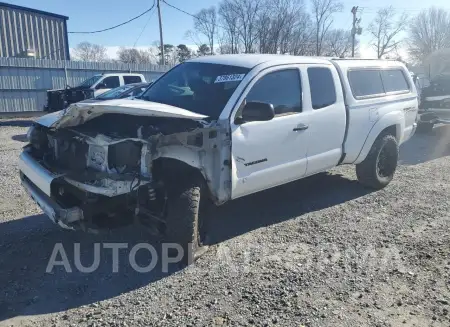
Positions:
{"x": 87, "y": 15}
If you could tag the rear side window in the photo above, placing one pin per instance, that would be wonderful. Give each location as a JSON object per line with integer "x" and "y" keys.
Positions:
{"x": 281, "y": 88}
{"x": 323, "y": 90}
{"x": 365, "y": 83}
{"x": 394, "y": 80}
{"x": 111, "y": 82}
{"x": 132, "y": 79}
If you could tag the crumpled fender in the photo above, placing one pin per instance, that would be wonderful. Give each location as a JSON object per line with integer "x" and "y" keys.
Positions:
{"x": 201, "y": 161}
{"x": 181, "y": 153}
{"x": 393, "y": 118}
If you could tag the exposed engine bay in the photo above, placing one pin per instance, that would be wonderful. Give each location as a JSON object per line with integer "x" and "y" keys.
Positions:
{"x": 117, "y": 161}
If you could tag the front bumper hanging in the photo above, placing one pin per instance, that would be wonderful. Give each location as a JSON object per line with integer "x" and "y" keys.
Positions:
{"x": 37, "y": 182}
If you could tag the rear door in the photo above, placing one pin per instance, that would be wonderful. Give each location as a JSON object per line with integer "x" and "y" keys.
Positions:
{"x": 270, "y": 153}
{"x": 328, "y": 117}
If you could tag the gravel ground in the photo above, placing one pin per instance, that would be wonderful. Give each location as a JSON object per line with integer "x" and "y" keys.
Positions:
{"x": 319, "y": 252}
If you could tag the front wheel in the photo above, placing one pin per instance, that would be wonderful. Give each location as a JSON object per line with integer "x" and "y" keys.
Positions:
{"x": 377, "y": 170}
{"x": 183, "y": 223}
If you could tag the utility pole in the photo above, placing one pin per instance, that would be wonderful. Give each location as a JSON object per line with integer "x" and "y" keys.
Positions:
{"x": 161, "y": 34}
{"x": 354, "y": 10}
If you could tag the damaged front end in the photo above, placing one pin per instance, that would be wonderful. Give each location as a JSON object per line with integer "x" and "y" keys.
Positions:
{"x": 102, "y": 165}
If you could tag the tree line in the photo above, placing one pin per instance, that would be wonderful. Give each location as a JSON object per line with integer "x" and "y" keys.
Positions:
{"x": 294, "y": 27}
{"x": 86, "y": 51}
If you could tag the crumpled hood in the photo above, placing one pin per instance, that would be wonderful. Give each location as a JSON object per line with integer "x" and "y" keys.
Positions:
{"x": 79, "y": 113}
{"x": 93, "y": 100}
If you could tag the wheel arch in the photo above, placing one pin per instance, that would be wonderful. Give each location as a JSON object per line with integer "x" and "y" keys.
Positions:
{"x": 392, "y": 124}
{"x": 180, "y": 162}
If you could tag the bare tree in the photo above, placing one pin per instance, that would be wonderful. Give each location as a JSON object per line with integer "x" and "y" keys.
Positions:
{"x": 134, "y": 56}
{"x": 86, "y": 51}
{"x": 338, "y": 43}
{"x": 323, "y": 11}
{"x": 230, "y": 22}
{"x": 205, "y": 23}
{"x": 303, "y": 38}
{"x": 193, "y": 37}
{"x": 385, "y": 30}
{"x": 277, "y": 21}
{"x": 429, "y": 31}
{"x": 246, "y": 12}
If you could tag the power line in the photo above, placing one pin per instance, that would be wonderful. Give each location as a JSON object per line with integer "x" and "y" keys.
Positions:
{"x": 145, "y": 26}
{"x": 194, "y": 16}
{"x": 181, "y": 10}
{"x": 113, "y": 27}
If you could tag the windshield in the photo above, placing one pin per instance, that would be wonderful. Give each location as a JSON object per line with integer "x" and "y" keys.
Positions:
{"x": 91, "y": 81}
{"x": 199, "y": 87}
{"x": 116, "y": 93}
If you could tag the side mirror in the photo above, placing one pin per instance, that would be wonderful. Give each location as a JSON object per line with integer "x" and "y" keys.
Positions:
{"x": 100, "y": 86}
{"x": 257, "y": 111}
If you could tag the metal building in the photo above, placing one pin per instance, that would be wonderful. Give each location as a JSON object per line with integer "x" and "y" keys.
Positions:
{"x": 26, "y": 32}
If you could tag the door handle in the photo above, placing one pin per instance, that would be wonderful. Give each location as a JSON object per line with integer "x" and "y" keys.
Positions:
{"x": 300, "y": 127}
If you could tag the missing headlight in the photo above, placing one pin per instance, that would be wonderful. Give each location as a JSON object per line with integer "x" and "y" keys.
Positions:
{"x": 125, "y": 156}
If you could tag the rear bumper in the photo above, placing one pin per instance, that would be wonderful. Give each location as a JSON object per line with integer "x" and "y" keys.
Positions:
{"x": 429, "y": 116}
{"x": 37, "y": 183}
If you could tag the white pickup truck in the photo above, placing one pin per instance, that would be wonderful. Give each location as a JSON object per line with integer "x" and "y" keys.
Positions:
{"x": 217, "y": 128}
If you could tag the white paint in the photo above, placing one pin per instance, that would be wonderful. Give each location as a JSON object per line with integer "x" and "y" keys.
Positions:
{"x": 320, "y": 147}
{"x": 252, "y": 60}
{"x": 269, "y": 153}
{"x": 365, "y": 114}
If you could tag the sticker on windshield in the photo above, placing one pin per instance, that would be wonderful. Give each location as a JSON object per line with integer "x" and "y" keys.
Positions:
{"x": 229, "y": 78}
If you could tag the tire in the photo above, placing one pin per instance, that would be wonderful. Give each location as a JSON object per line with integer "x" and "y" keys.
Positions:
{"x": 378, "y": 169}
{"x": 182, "y": 219}
{"x": 425, "y": 128}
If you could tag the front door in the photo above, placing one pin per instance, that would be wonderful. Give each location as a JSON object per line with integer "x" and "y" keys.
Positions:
{"x": 270, "y": 153}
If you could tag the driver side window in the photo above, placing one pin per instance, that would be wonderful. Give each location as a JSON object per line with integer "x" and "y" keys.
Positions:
{"x": 282, "y": 89}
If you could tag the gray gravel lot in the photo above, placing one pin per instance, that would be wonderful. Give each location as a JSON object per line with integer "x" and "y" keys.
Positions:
{"x": 323, "y": 251}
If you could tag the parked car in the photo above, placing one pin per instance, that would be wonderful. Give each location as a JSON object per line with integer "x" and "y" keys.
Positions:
{"x": 90, "y": 88}
{"x": 248, "y": 123}
{"x": 121, "y": 92}
{"x": 435, "y": 103}
{"x": 434, "y": 106}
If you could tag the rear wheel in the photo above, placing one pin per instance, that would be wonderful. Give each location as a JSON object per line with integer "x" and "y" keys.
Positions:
{"x": 184, "y": 222}
{"x": 377, "y": 170}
